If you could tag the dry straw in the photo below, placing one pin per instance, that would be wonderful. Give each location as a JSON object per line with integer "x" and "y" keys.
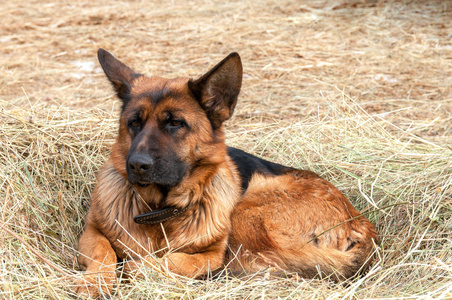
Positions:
{"x": 403, "y": 184}
{"x": 358, "y": 91}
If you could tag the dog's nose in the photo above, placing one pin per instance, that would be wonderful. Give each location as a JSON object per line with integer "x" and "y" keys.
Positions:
{"x": 140, "y": 164}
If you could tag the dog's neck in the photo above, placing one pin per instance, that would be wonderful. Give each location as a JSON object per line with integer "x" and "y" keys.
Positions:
{"x": 160, "y": 212}
{"x": 174, "y": 201}
{"x": 159, "y": 215}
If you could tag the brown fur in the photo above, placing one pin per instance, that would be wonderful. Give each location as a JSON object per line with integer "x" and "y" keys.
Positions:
{"x": 294, "y": 218}
{"x": 287, "y": 221}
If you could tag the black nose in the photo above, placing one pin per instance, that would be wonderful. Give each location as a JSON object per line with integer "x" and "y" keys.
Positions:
{"x": 140, "y": 164}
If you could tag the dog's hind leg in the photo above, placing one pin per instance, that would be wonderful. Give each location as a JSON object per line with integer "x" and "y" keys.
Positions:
{"x": 299, "y": 223}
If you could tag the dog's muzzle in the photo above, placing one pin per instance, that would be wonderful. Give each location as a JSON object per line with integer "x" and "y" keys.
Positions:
{"x": 143, "y": 169}
{"x": 139, "y": 167}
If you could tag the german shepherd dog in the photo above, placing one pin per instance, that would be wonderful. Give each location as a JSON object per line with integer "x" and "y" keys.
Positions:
{"x": 173, "y": 196}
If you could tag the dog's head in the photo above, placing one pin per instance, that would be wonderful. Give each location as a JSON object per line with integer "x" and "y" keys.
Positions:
{"x": 170, "y": 127}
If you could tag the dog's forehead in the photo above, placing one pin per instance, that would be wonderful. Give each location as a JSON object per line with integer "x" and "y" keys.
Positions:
{"x": 156, "y": 95}
{"x": 157, "y": 88}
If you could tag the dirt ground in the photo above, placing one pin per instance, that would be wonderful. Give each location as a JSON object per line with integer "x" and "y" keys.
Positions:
{"x": 390, "y": 56}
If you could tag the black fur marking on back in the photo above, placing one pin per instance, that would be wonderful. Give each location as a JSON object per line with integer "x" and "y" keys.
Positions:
{"x": 248, "y": 164}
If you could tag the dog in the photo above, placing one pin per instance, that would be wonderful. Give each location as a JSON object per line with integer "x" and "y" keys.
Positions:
{"x": 173, "y": 196}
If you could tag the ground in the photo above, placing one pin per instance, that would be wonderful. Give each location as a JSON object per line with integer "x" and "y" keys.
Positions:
{"x": 358, "y": 91}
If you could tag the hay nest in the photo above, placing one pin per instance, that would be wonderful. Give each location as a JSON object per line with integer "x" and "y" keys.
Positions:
{"x": 403, "y": 184}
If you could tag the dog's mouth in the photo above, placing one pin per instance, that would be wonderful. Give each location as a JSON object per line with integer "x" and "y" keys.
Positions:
{"x": 143, "y": 184}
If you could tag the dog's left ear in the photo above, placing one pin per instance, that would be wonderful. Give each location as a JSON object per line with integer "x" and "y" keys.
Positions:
{"x": 218, "y": 89}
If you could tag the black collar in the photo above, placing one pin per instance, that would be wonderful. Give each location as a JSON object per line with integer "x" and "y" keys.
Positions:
{"x": 159, "y": 215}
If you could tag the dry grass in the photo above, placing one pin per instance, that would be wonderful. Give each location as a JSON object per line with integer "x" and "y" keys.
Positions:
{"x": 358, "y": 91}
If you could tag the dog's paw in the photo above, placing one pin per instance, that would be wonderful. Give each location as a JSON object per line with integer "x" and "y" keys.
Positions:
{"x": 92, "y": 286}
{"x": 183, "y": 264}
{"x": 137, "y": 267}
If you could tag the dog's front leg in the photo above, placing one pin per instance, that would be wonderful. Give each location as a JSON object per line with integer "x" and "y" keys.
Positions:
{"x": 190, "y": 265}
{"x": 193, "y": 265}
{"x": 99, "y": 258}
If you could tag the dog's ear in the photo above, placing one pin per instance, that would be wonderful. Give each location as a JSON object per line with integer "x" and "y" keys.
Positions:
{"x": 218, "y": 89}
{"x": 120, "y": 75}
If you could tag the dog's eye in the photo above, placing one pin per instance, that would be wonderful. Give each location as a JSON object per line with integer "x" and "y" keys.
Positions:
{"x": 176, "y": 123}
{"x": 135, "y": 124}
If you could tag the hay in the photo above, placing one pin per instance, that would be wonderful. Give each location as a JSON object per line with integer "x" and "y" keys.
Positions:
{"x": 401, "y": 182}
{"x": 358, "y": 91}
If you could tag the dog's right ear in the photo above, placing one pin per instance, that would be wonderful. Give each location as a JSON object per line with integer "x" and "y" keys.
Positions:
{"x": 120, "y": 75}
